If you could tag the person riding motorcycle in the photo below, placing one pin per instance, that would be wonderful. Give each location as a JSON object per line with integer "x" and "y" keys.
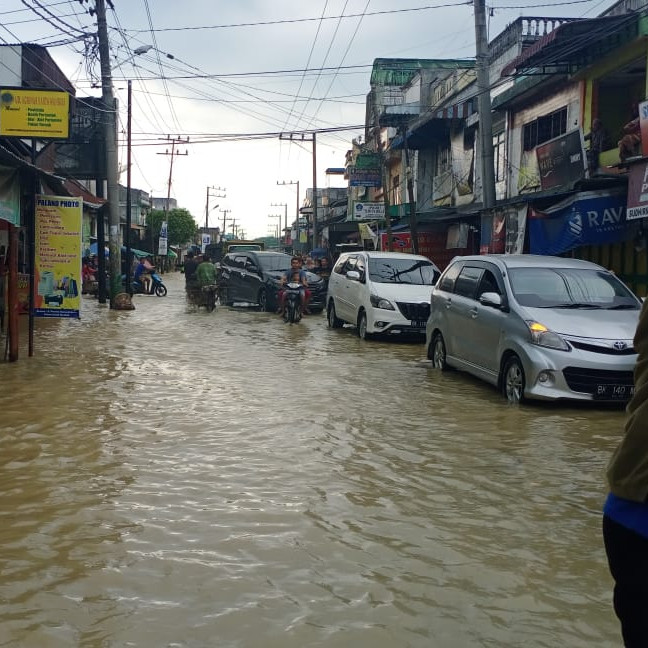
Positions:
{"x": 191, "y": 282}
{"x": 206, "y": 272}
{"x": 297, "y": 275}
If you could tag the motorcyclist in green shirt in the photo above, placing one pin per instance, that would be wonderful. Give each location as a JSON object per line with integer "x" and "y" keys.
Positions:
{"x": 206, "y": 272}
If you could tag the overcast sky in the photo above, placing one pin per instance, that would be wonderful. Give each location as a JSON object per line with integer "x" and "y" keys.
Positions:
{"x": 238, "y": 67}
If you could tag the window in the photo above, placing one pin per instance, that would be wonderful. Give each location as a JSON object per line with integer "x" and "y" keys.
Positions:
{"x": 488, "y": 283}
{"x": 402, "y": 271}
{"x": 499, "y": 155}
{"x": 466, "y": 284}
{"x": 443, "y": 160}
{"x": 469, "y": 139}
{"x": 448, "y": 280}
{"x": 545, "y": 128}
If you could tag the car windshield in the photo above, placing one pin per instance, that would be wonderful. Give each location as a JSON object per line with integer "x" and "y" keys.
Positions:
{"x": 404, "y": 271}
{"x": 274, "y": 262}
{"x": 570, "y": 288}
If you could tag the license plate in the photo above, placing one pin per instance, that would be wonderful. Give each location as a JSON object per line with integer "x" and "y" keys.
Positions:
{"x": 419, "y": 324}
{"x": 614, "y": 392}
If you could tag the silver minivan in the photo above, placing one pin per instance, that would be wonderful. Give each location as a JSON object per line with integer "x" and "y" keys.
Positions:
{"x": 536, "y": 326}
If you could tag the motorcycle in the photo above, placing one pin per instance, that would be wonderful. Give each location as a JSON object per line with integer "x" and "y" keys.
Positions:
{"x": 292, "y": 312}
{"x": 156, "y": 286}
{"x": 209, "y": 294}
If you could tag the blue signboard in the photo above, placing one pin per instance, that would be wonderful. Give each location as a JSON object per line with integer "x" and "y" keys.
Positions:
{"x": 590, "y": 218}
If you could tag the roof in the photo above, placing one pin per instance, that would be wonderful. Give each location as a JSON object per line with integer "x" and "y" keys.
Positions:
{"x": 531, "y": 261}
{"x": 398, "y": 72}
{"x": 574, "y": 45}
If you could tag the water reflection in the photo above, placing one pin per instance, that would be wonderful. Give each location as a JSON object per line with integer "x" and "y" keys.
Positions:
{"x": 177, "y": 478}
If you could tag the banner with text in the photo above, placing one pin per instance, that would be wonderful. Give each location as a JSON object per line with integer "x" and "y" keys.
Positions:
{"x": 163, "y": 241}
{"x": 589, "y": 218}
{"x": 58, "y": 256}
{"x": 34, "y": 113}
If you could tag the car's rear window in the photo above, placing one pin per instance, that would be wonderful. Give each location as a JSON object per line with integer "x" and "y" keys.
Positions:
{"x": 274, "y": 262}
{"x": 405, "y": 271}
{"x": 569, "y": 288}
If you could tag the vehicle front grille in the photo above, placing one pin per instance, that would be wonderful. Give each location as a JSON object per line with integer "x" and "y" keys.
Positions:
{"x": 595, "y": 348}
{"x": 586, "y": 380}
{"x": 419, "y": 312}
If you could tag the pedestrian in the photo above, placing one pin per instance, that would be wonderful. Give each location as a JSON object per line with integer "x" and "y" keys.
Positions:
{"x": 630, "y": 142}
{"x": 625, "y": 514}
{"x": 206, "y": 273}
{"x": 598, "y": 142}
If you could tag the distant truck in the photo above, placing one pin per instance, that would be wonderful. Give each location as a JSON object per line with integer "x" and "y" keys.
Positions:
{"x": 217, "y": 251}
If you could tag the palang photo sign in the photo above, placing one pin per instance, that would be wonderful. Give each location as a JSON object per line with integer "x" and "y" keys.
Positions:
{"x": 58, "y": 256}
{"x": 43, "y": 114}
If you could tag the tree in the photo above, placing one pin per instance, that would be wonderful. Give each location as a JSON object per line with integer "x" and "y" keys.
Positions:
{"x": 180, "y": 224}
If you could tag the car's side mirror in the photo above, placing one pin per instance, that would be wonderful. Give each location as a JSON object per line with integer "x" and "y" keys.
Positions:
{"x": 354, "y": 275}
{"x": 491, "y": 299}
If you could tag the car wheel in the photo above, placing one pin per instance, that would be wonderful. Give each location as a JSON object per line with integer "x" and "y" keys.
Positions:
{"x": 513, "y": 381}
{"x": 333, "y": 320}
{"x": 437, "y": 352}
{"x": 362, "y": 327}
{"x": 262, "y": 300}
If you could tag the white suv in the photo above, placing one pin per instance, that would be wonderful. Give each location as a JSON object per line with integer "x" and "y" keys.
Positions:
{"x": 381, "y": 292}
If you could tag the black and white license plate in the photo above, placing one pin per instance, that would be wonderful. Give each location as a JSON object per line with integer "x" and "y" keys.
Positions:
{"x": 419, "y": 324}
{"x": 614, "y": 392}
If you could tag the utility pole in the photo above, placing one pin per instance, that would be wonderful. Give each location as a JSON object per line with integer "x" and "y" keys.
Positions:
{"x": 129, "y": 263}
{"x": 410, "y": 197}
{"x": 278, "y": 227}
{"x": 234, "y": 227}
{"x": 173, "y": 153}
{"x": 112, "y": 161}
{"x": 207, "y": 202}
{"x": 484, "y": 103}
{"x": 296, "y": 182}
{"x": 224, "y": 212}
{"x": 383, "y": 172}
{"x": 285, "y": 206}
{"x": 302, "y": 137}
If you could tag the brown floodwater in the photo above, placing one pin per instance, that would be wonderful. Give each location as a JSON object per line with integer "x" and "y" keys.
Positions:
{"x": 176, "y": 478}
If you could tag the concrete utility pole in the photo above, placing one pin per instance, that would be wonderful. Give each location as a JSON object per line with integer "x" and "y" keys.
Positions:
{"x": 112, "y": 161}
{"x": 207, "y": 202}
{"x": 302, "y": 137}
{"x": 410, "y": 196}
{"x": 225, "y": 219}
{"x": 285, "y": 206}
{"x": 173, "y": 153}
{"x": 484, "y": 103}
{"x": 383, "y": 172}
{"x": 290, "y": 182}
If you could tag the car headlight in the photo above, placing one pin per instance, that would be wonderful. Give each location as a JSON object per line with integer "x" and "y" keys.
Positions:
{"x": 543, "y": 337}
{"x": 381, "y": 302}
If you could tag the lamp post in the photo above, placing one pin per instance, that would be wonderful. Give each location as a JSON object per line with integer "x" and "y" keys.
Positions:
{"x": 210, "y": 195}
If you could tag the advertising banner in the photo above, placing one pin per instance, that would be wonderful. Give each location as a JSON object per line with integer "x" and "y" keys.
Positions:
{"x": 58, "y": 256}
{"x": 34, "y": 113}
{"x": 638, "y": 191}
{"x": 163, "y": 240}
{"x": 401, "y": 242}
{"x": 9, "y": 196}
{"x": 590, "y": 218}
{"x": 205, "y": 241}
{"x": 561, "y": 161}
{"x": 369, "y": 211}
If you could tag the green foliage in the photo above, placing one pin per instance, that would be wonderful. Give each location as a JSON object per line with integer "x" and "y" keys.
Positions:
{"x": 181, "y": 226}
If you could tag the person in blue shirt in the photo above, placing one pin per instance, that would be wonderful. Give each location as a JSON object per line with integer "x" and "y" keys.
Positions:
{"x": 625, "y": 514}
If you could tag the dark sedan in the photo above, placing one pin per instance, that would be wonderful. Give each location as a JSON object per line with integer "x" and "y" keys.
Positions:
{"x": 254, "y": 277}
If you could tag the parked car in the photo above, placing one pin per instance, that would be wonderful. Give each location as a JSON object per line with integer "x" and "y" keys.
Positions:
{"x": 254, "y": 277}
{"x": 381, "y": 292}
{"x": 536, "y": 326}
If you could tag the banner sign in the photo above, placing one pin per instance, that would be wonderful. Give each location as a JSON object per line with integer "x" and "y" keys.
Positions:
{"x": 206, "y": 240}
{"x": 9, "y": 196}
{"x": 369, "y": 211}
{"x": 561, "y": 161}
{"x": 401, "y": 242}
{"x": 589, "y": 218}
{"x": 34, "y": 113}
{"x": 58, "y": 256}
{"x": 163, "y": 240}
{"x": 638, "y": 191}
{"x": 360, "y": 178}
{"x": 643, "y": 127}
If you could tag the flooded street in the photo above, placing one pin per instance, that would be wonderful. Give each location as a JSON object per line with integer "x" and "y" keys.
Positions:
{"x": 178, "y": 478}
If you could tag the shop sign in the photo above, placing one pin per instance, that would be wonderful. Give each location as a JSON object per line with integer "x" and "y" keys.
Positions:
{"x": 561, "y": 161}
{"x": 34, "y": 113}
{"x": 163, "y": 240}
{"x": 643, "y": 127}
{"x": 364, "y": 177}
{"x": 588, "y": 218}
{"x": 369, "y": 211}
{"x": 401, "y": 242}
{"x": 58, "y": 256}
{"x": 638, "y": 191}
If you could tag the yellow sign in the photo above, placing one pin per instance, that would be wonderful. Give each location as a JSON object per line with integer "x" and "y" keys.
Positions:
{"x": 34, "y": 113}
{"x": 58, "y": 256}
